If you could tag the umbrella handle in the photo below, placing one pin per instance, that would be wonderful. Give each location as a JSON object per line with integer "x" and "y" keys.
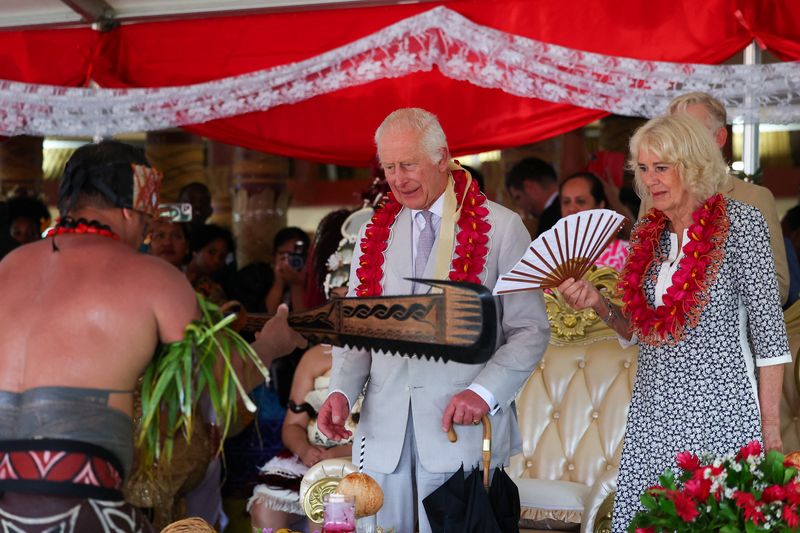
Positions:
{"x": 486, "y": 448}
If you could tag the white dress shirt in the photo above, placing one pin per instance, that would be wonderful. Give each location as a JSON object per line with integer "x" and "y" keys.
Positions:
{"x": 418, "y": 224}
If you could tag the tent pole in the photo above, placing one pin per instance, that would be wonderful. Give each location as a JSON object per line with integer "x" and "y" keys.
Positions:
{"x": 750, "y": 156}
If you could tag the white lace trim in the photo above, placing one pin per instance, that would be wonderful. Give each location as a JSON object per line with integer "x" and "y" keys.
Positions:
{"x": 461, "y": 49}
{"x": 288, "y": 467}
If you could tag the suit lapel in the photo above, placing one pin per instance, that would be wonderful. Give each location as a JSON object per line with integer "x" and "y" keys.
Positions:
{"x": 398, "y": 265}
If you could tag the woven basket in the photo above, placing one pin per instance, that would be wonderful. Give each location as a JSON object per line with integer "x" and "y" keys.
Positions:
{"x": 189, "y": 525}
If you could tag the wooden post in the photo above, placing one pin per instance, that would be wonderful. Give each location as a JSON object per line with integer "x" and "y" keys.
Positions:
{"x": 21, "y": 166}
{"x": 180, "y": 156}
{"x": 260, "y": 202}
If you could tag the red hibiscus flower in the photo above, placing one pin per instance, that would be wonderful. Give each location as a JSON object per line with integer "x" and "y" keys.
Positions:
{"x": 698, "y": 489}
{"x": 773, "y": 493}
{"x": 688, "y": 461}
{"x": 685, "y": 507}
{"x": 747, "y": 503}
{"x": 790, "y": 515}
{"x": 751, "y": 450}
{"x": 792, "y": 492}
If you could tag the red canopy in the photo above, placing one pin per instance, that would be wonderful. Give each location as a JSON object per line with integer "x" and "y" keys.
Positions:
{"x": 338, "y": 127}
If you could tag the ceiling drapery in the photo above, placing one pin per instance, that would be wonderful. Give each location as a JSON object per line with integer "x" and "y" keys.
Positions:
{"x": 316, "y": 84}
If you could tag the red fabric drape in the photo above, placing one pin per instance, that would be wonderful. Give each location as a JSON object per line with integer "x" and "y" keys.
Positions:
{"x": 53, "y": 57}
{"x": 338, "y": 127}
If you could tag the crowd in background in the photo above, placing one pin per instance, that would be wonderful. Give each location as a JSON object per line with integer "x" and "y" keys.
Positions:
{"x": 277, "y": 440}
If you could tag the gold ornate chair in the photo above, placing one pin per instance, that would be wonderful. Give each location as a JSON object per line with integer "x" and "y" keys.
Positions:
{"x": 572, "y": 414}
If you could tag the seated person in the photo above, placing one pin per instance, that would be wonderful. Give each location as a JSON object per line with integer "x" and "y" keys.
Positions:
{"x": 290, "y": 248}
{"x": 276, "y": 502}
{"x": 27, "y": 217}
{"x": 277, "y": 499}
{"x": 584, "y": 191}
{"x": 210, "y": 246}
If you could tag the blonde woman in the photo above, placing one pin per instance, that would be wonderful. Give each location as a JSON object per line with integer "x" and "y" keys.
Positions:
{"x": 698, "y": 280}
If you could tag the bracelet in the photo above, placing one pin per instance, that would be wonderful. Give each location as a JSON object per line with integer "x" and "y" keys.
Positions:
{"x": 610, "y": 314}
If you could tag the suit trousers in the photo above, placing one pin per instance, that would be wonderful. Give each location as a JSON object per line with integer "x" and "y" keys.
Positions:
{"x": 406, "y": 487}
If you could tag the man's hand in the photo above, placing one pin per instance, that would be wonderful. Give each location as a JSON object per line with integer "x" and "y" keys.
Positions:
{"x": 312, "y": 455}
{"x": 276, "y": 338}
{"x": 332, "y": 416}
{"x": 466, "y": 407}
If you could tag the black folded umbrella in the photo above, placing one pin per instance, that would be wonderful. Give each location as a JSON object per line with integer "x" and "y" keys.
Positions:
{"x": 464, "y": 506}
{"x": 504, "y": 497}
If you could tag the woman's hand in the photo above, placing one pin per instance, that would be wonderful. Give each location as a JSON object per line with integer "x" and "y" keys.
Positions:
{"x": 312, "y": 455}
{"x": 581, "y": 294}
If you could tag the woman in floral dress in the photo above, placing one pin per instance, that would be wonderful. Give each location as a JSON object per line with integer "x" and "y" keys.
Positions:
{"x": 698, "y": 289}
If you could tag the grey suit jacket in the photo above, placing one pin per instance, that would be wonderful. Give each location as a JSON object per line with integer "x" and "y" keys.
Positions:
{"x": 393, "y": 384}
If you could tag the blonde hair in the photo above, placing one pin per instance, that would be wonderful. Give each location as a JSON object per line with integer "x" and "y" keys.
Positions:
{"x": 432, "y": 138}
{"x": 716, "y": 111}
{"x": 685, "y": 143}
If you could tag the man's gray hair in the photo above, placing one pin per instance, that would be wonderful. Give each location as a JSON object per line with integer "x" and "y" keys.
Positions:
{"x": 432, "y": 138}
{"x": 716, "y": 111}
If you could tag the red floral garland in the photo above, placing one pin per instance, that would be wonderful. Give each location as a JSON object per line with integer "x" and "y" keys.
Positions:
{"x": 69, "y": 226}
{"x": 471, "y": 241}
{"x": 685, "y": 299}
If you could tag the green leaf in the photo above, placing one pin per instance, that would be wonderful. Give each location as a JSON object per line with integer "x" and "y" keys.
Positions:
{"x": 648, "y": 501}
{"x": 175, "y": 380}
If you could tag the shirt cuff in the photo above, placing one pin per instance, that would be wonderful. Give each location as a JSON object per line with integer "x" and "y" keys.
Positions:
{"x": 625, "y": 343}
{"x": 486, "y": 395}
{"x": 769, "y": 361}
{"x": 340, "y": 391}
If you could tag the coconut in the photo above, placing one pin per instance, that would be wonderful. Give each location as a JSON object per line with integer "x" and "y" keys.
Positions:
{"x": 367, "y": 492}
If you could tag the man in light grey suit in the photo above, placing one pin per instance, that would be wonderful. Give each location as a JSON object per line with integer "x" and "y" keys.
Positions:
{"x": 410, "y": 403}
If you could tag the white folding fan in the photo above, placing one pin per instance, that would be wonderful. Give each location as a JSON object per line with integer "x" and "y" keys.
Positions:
{"x": 566, "y": 250}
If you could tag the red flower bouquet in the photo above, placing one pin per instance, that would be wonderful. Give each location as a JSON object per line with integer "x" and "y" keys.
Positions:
{"x": 748, "y": 492}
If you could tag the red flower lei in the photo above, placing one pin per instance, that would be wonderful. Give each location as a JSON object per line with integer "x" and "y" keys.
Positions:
{"x": 471, "y": 241}
{"x": 685, "y": 299}
{"x": 70, "y": 226}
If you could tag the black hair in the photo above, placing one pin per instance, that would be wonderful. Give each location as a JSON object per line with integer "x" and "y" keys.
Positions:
{"x": 27, "y": 207}
{"x": 476, "y": 175}
{"x": 530, "y": 168}
{"x": 791, "y": 220}
{"x": 326, "y": 241}
{"x": 249, "y": 286}
{"x": 203, "y": 235}
{"x": 291, "y": 233}
{"x": 595, "y": 186}
{"x": 99, "y": 174}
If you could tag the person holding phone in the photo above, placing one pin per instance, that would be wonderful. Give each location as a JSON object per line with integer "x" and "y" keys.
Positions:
{"x": 289, "y": 262}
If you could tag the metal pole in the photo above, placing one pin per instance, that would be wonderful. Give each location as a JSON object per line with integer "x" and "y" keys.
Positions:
{"x": 750, "y": 157}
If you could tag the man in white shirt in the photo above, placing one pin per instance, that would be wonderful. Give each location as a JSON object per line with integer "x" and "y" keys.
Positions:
{"x": 411, "y": 403}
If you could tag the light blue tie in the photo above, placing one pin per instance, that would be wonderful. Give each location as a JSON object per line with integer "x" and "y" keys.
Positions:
{"x": 424, "y": 246}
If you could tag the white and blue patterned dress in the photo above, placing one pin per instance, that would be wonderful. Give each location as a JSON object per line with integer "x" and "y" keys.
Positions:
{"x": 701, "y": 394}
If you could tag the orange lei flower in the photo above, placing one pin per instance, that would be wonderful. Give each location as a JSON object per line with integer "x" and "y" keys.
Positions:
{"x": 685, "y": 299}
{"x": 471, "y": 241}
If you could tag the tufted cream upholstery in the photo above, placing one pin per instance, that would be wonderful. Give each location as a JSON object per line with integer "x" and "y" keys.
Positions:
{"x": 572, "y": 414}
{"x": 573, "y": 408}
{"x": 790, "y": 404}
